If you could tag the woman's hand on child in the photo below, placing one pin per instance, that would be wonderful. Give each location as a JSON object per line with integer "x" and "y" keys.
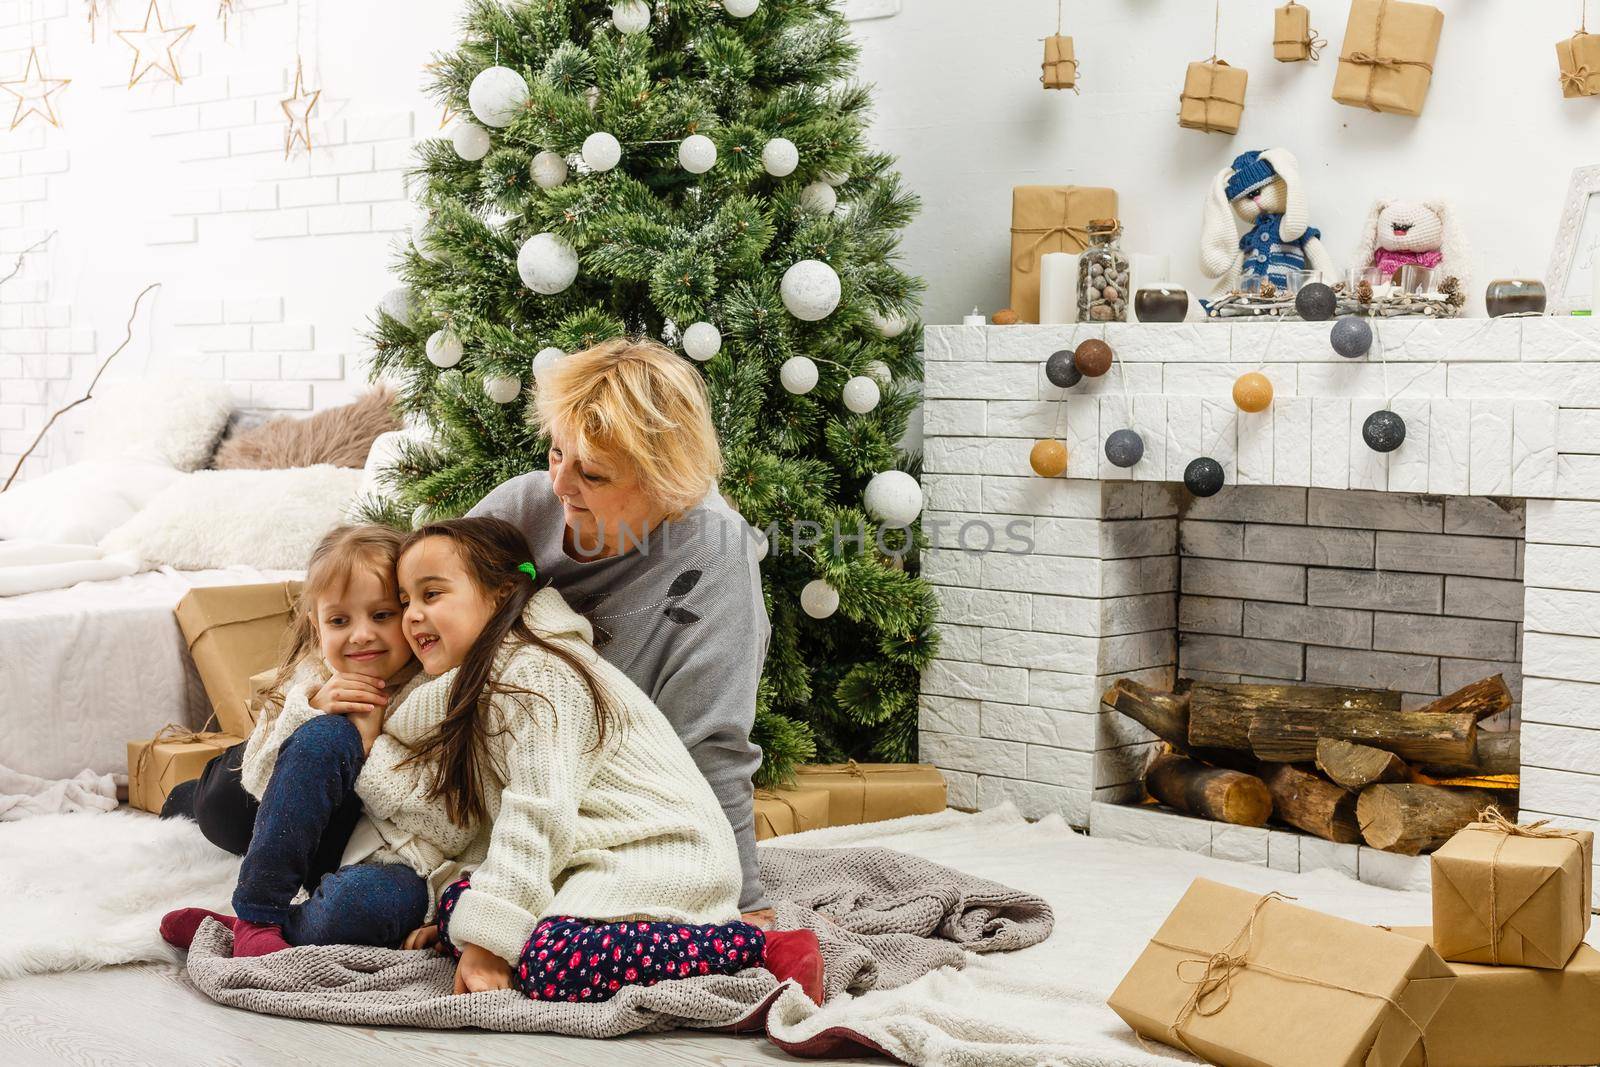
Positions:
{"x": 422, "y": 937}
{"x": 346, "y": 693}
{"x": 480, "y": 969}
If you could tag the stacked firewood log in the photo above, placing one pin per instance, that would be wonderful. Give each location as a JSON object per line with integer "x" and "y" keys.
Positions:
{"x": 1344, "y": 764}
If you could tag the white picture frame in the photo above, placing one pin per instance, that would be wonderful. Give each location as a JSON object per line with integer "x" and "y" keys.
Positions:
{"x": 1576, "y": 255}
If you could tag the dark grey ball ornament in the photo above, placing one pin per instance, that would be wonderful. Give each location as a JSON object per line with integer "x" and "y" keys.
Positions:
{"x": 1203, "y": 477}
{"x": 1384, "y": 431}
{"x": 1124, "y": 448}
{"x": 1316, "y": 302}
{"x": 1061, "y": 370}
{"x": 1351, "y": 337}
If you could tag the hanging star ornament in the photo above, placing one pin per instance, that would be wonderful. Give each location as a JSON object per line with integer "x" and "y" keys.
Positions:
{"x": 299, "y": 108}
{"x": 152, "y": 48}
{"x": 33, "y": 92}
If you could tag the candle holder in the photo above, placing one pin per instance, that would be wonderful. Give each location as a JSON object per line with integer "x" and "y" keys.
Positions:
{"x": 1412, "y": 278}
{"x": 1161, "y": 302}
{"x": 1514, "y": 296}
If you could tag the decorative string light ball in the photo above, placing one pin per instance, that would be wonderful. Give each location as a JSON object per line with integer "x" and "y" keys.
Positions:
{"x": 601, "y": 151}
{"x": 810, "y": 290}
{"x": 422, "y": 232}
{"x": 1384, "y": 431}
{"x": 879, "y": 372}
{"x": 798, "y": 375}
{"x": 701, "y": 341}
{"x": 861, "y": 394}
{"x": 1124, "y": 448}
{"x": 893, "y": 497}
{"x": 818, "y": 599}
{"x": 1351, "y": 337}
{"x": 630, "y": 16}
{"x": 400, "y": 304}
{"x": 1253, "y": 392}
{"x": 1048, "y": 458}
{"x": 1316, "y": 302}
{"x": 547, "y": 264}
{"x": 1093, "y": 357}
{"x": 697, "y": 153}
{"x": 834, "y": 178}
{"x": 471, "y": 141}
{"x": 1203, "y": 477}
{"x": 891, "y": 325}
{"x": 740, "y": 9}
{"x": 819, "y": 198}
{"x": 1062, "y": 369}
{"x": 502, "y": 388}
{"x": 497, "y": 96}
{"x": 548, "y": 170}
{"x": 779, "y": 157}
{"x": 547, "y": 357}
{"x": 444, "y": 349}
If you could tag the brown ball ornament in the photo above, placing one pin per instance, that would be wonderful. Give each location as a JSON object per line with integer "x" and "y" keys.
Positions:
{"x": 1093, "y": 357}
{"x": 1253, "y": 392}
{"x": 1048, "y": 458}
{"x": 1004, "y": 317}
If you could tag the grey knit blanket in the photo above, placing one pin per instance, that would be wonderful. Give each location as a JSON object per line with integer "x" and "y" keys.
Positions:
{"x": 883, "y": 918}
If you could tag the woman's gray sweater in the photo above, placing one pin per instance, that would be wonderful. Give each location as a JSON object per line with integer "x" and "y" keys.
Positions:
{"x": 683, "y": 617}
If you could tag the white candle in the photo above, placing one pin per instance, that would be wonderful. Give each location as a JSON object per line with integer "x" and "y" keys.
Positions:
{"x": 1058, "y": 288}
{"x": 974, "y": 319}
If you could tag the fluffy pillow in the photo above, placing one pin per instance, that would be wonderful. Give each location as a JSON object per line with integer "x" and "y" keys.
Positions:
{"x": 165, "y": 421}
{"x": 80, "y": 504}
{"x": 266, "y": 519}
{"x": 341, "y": 436}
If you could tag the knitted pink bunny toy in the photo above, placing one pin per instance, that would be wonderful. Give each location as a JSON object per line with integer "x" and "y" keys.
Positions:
{"x": 1404, "y": 232}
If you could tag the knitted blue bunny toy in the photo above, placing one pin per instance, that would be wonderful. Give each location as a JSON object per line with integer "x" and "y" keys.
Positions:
{"x": 1264, "y": 190}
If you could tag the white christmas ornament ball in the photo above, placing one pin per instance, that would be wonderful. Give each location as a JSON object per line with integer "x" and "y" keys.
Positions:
{"x": 819, "y": 599}
{"x": 760, "y": 544}
{"x": 631, "y": 16}
{"x": 894, "y": 497}
{"x": 879, "y": 371}
{"x": 835, "y": 177}
{"x": 502, "y": 388}
{"x": 819, "y": 198}
{"x": 547, "y": 357}
{"x": 861, "y": 394}
{"x": 422, "y": 232}
{"x": 444, "y": 349}
{"x": 549, "y": 169}
{"x": 810, "y": 290}
{"x": 601, "y": 151}
{"x": 798, "y": 375}
{"x": 419, "y": 519}
{"x": 890, "y": 325}
{"x": 780, "y": 157}
{"x": 471, "y": 142}
{"x": 547, "y": 264}
{"x": 400, "y": 304}
{"x": 741, "y": 9}
{"x": 697, "y": 154}
{"x": 496, "y": 95}
{"x": 701, "y": 341}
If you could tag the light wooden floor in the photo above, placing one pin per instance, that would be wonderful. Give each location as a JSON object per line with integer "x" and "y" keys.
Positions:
{"x": 148, "y": 1014}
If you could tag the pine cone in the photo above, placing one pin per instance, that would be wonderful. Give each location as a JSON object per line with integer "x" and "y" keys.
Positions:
{"x": 1364, "y": 292}
{"x": 1268, "y": 291}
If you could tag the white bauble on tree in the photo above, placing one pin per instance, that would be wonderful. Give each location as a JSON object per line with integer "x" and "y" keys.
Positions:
{"x": 547, "y": 264}
{"x": 630, "y": 16}
{"x": 861, "y": 394}
{"x": 810, "y": 290}
{"x": 502, "y": 388}
{"x": 471, "y": 141}
{"x": 819, "y": 198}
{"x": 422, "y": 232}
{"x": 798, "y": 375}
{"x": 444, "y": 349}
{"x": 601, "y": 151}
{"x": 834, "y": 178}
{"x": 819, "y": 599}
{"x": 701, "y": 341}
{"x": 697, "y": 153}
{"x": 548, "y": 170}
{"x": 779, "y": 157}
{"x": 419, "y": 519}
{"x": 497, "y": 96}
{"x": 740, "y": 9}
{"x": 891, "y": 325}
{"x": 400, "y": 304}
{"x": 759, "y": 545}
{"x": 893, "y": 497}
{"x": 879, "y": 372}
{"x": 547, "y": 357}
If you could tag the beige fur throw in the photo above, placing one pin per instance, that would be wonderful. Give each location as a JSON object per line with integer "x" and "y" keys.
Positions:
{"x": 341, "y": 436}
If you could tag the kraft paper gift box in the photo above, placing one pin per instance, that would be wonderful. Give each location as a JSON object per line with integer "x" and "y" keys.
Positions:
{"x": 233, "y": 632}
{"x": 1514, "y": 895}
{"x": 1245, "y": 980}
{"x": 1386, "y": 63}
{"x": 1060, "y": 67}
{"x": 167, "y": 760}
{"x": 790, "y": 811}
{"x": 1579, "y": 56}
{"x": 873, "y": 792}
{"x": 1513, "y": 1016}
{"x": 1291, "y": 33}
{"x": 1049, "y": 218}
{"x": 1213, "y": 97}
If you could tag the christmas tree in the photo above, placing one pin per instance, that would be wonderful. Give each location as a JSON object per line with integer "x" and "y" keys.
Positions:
{"x": 693, "y": 171}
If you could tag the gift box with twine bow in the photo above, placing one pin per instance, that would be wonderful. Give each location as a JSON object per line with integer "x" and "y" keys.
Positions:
{"x": 1293, "y": 39}
{"x": 1386, "y": 63}
{"x": 790, "y": 811}
{"x": 235, "y": 631}
{"x": 1049, "y": 218}
{"x": 873, "y": 792}
{"x": 1213, "y": 96}
{"x": 1060, "y": 67}
{"x": 173, "y": 756}
{"x": 1579, "y": 58}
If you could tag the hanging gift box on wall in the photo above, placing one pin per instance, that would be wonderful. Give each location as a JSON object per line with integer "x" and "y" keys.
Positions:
{"x": 1293, "y": 39}
{"x": 1060, "y": 68}
{"x": 1386, "y": 61}
{"x": 1579, "y": 57}
{"x": 1213, "y": 97}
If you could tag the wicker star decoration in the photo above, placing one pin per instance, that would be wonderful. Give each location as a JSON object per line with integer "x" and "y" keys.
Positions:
{"x": 298, "y": 108}
{"x": 152, "y": 48}
{"x": 33, "y": 92}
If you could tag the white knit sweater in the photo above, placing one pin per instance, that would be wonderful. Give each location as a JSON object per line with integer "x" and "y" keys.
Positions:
{"x": 630, "y": 830}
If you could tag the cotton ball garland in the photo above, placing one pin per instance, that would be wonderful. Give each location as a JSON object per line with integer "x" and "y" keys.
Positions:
{"x": 810, "y": 290}
{"x": 1253, "y": 392}
{"x": 740, "y": 9}
{"x": 444, "y": 349}
{"x": 1384, "y": 431}
{"x": 547, "y": 264}
{"x": 1351, "y": 337}
{"x": 891, "y": 325}
{"x": 1316, "y": 302}
{"x": 1124, "y": 448}
{"x": 798, "y": 375}
{"x": 400, "y": 304}
{"x": 547, "y": 357}
{"x": 1048, "y": 458}
{"x": 1203, "y": 476}
{"x": 701, "y": 341}
{"x": 819, "y": 198}
{"x": 779, "y": 157}
{"x": 697, "y": 153}
{"x": 818, "y": 599}
{"x": 1062, "y": 369}
{"x": 548, "y": 170}
{"x": 601, "y": 151}
{"x": 422, "y": 232}
{"x": 1093, "y": 357}
{"x": 497, "y": 95}
{"x": 471, "y": 141}
{"x": 879, "y": 371}
{"x": 894, "y": 497}
{"x": 861, "y": 394}
{"x": 630, "y": 16}
{"x": 502, "y": 388}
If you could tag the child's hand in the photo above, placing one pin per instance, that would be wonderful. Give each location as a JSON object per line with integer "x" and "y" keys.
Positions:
{"x": 480, "y": 969}
{"x": 422, "y": 937}
{"x": 346, "y": 693}
{"x": 369, "y": 724}
{"x": 762, "y": 919}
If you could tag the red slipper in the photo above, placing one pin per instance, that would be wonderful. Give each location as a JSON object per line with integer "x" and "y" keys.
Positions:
{"x": 795, "y": 954}
{"x": 256, "y": 939}
{"x": 178, "y": 927}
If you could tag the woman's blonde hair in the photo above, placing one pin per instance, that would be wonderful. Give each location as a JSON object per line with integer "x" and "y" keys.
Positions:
{"x": 635, "y": 402}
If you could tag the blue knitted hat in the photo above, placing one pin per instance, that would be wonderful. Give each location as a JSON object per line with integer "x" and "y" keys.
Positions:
{"x": 1250, "y": 172}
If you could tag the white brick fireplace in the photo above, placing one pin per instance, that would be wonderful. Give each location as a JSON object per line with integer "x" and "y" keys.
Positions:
{"x": 1473, "y": 549}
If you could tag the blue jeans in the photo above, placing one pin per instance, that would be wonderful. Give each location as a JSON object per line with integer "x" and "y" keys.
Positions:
{"x": 362, "y": 904}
